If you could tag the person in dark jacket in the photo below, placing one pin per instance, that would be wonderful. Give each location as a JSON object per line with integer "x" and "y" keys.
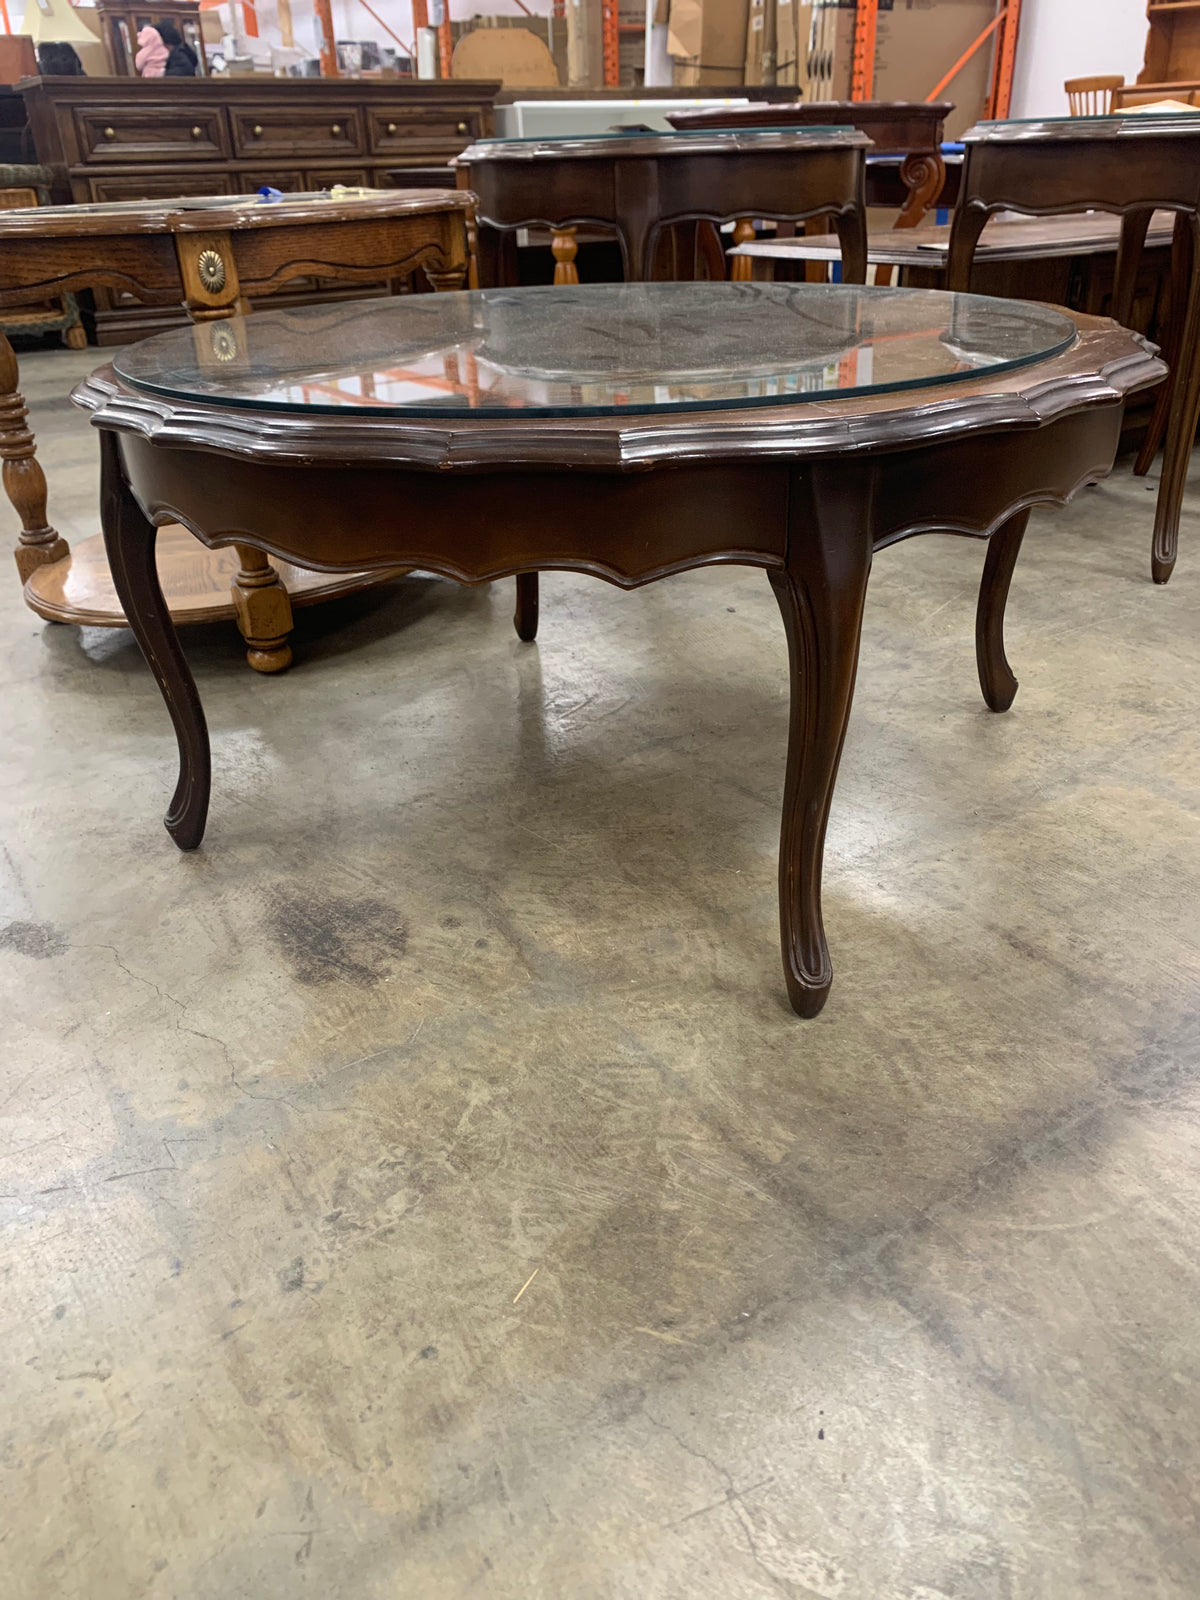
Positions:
{"x": 181, "y": 58}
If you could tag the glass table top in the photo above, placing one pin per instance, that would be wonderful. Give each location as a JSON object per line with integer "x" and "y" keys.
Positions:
{"x": 596, "y": 349}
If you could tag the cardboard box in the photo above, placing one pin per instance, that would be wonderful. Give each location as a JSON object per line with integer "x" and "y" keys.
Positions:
{"x": 707, "y": 39}
{"x": 756, "y": 41}
{"x": 918, "y": 41}
{"x": 793, "y": 23}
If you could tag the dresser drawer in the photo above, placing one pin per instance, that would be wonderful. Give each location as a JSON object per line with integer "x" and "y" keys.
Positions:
{"x": 120, "y": 133}
{"x": 267, "y": 131}
{"x": 406, "y": 131}
{"x": 134, "y": 187}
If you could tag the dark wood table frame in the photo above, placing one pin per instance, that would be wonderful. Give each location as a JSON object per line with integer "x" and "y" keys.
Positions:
{"x": 806, "y": 492}
{"x": 640, "y": 185}
{"x": 1130, "y": 166}
{"x": 213, "y": 261}
{"x": 911, "y": 128}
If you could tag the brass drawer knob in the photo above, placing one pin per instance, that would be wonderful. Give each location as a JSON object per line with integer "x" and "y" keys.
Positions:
{"x": 336, "y": 128}
{"x": 463, "y": 128}
{"x": 110, "y": 133}
{"x": 257, "y": 130}
{"x": 391, "y": 128}
{"x": 197, "y": 132}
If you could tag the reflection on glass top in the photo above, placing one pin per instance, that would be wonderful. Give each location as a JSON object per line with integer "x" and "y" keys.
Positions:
{"x": 596, "y": 349}
{"x": 1128, "y": 122}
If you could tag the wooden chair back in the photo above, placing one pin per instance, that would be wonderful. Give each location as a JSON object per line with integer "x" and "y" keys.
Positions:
{"x": 1092, "y": 97}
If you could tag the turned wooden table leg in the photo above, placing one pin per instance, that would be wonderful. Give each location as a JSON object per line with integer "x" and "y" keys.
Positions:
{"x": 129, "y": 540}
{"x": 742, "y": 267}
{"x": 212, "y": 293}
{"x": 995, "y": 675}
{"x": 446, "y": 279}
{"x": 820, "y": 594}
{"x": 564, "y": 246}
{"x": 525, "y": 617}
{"x": 264, "y": 611}
{"x": 24, "y": 481}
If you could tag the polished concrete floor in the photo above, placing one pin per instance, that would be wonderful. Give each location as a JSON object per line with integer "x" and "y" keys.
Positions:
{"x": 424, "y": 1190}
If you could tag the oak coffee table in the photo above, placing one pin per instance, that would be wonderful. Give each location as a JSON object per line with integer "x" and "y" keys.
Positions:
{"x": 209, "y": 254}
{"x": 630, "y": 431}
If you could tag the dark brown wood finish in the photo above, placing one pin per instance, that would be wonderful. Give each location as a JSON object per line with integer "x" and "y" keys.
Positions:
{"x": 640, "y": 185}
{"x": 209, "y": 261}
{"x": 1130, "y": 166}
{"x": 114, "y": 139}
{"x": 913, "y": 128}
{"x": 806, "y": 492}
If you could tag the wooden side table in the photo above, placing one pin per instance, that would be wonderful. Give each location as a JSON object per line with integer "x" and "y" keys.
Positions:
{"x": 214, "y": 255}
{"x": 638, "y": 184}
{"x": 1130, "y": 166}
{"x": 913, "y": 129}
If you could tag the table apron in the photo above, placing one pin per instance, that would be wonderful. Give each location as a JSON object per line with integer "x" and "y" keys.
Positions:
{"x": 627, "y": 527}
{"x": 972, "y": 484}
{"x": 143, "y": 265}
{"x": 1043, "y": 179}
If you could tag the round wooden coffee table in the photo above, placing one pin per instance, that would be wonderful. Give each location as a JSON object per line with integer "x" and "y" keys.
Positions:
{"x": 630, "y": 431}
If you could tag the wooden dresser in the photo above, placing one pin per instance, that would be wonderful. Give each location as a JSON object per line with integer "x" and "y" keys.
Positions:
{"x": 144, "y": 139}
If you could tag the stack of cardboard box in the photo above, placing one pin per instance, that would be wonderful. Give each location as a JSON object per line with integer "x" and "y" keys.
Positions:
{"x": 810, "y": 43}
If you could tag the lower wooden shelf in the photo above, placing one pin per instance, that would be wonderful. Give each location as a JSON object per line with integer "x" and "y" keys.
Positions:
{"x": 195, "y": 582}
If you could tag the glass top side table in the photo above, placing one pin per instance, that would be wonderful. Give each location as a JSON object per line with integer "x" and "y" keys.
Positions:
{"x": 629, "y": 432}
{"x": 1129, "y": 165}
{"x": 638, "y": 184}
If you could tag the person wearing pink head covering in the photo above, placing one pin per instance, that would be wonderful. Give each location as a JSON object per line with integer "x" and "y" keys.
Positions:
{"x": 151, "y": 59}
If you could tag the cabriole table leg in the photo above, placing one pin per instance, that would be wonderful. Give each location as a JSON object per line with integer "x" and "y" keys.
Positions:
{"x": 129, "y": 541}
{"x": 820, "y": 593}
{"x": 525, "y": 617}
{"x": 1181, "y": 427}
{"x": 24, "y": 481}
{"x": 995, "y": 675}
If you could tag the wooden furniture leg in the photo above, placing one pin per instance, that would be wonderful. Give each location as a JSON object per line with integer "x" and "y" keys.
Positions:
{"x": 820, "y": 593}
{"x": 24, "y": 481}
{"x": 1181, "y": 276}
{"x": 449, "y": 278}
{"x": 212, "y": 293}
{"x": 995, "y": 675}
{"x": 129, "y": 539}
{"x": 525, "y": 617}
{"x": 564, "y": 246}
{"x": 852, "y": 238}
{"x": 969, "y": 223}
{"x": 922, "y": 172}
{"x": 1129, "y": 260}
{"x": 742, "y": 268}
{"x": 264, "y": 611}
{"x": 1181, "y": 429}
